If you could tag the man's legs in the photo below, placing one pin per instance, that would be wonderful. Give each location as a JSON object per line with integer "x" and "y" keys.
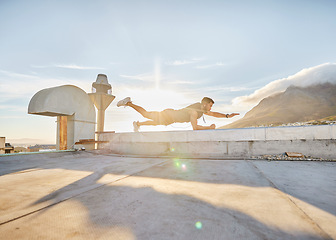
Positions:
{"x": 148, "y": 123}
{"x": 144, "y": 113}
{"x": 137, "y": 124}
{"x": 150, "y": 115}
{"x": 153, "y": 116}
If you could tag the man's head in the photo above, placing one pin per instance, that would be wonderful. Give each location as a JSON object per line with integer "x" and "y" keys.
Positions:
{"x": 207, "y": 103}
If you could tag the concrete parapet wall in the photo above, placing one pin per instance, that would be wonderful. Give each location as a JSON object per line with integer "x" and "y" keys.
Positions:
{"x": 316, "y": 141}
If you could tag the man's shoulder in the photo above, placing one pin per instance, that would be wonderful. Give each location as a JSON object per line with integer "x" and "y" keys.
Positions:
{"x": 194, "y": 106}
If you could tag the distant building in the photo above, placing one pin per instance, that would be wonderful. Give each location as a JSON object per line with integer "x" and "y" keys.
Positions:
{"x": 40, "y": 148}
{"x": 5, "y": 147}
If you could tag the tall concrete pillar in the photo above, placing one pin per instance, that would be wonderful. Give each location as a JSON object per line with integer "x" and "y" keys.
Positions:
{"x": 102, "y": 98}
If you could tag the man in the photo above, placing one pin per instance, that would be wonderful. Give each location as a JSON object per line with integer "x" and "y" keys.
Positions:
{"x": 169, "y": 116}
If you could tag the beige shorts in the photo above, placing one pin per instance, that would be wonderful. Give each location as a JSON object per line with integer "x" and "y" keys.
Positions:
{"x": 165, "y": 117}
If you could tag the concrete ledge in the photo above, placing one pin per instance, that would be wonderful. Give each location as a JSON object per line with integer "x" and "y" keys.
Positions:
{"x": 316, "y": 141}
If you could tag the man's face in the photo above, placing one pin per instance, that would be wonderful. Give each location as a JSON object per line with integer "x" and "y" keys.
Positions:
{"x": 207, "y": 106}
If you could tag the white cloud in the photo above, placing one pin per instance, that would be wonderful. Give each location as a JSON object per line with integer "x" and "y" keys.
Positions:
{"x": 177, "y": 82}
{"x": 69, "y": 66}
{"x": 319, "y": 74}
{"x": 40, "y": 66}
{"x": 142, "y": 77}
{"x": 17, "y": 75}
{"x": 23, "y": 89}
{"x": 238, "y": 89}
{"x": 73, "y": 66}
{"x": 184, "y": 62}
{"x": 226, "y": 89}
{"x": 218, "y": 64}
{"x": 16, "y": 85}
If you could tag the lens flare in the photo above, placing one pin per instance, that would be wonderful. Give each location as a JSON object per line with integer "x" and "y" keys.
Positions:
{"x": 180, "y": 164}
{"x": 177, "y": 162}
{"x": 198, "y": 225}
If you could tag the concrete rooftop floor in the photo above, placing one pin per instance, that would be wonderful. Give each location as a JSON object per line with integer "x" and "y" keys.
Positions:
{"x": 91, "y": 195}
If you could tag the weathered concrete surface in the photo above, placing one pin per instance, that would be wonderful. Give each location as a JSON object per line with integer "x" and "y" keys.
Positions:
{"x": 85, "y": 195}
{"x": 315, "y": 141}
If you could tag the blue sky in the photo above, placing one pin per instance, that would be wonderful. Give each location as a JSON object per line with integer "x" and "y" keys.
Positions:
{"x": 187, "y": 49}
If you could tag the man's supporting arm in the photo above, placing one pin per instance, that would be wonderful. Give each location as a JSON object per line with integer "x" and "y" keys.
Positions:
{"x": 195, "y": 126}
{"x": 220, "y": 115}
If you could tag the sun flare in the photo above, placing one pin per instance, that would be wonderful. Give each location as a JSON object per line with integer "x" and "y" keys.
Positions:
{"x": 154, "y": 99}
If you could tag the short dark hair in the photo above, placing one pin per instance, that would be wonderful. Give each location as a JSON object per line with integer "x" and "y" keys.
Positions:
{"x": 207, "y": 100}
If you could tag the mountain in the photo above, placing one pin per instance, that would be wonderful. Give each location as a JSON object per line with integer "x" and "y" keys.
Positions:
{"x": 296, "y": 104}
{"x": 27, "y": 142}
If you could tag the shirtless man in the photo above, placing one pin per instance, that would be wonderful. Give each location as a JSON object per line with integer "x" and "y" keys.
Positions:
{"x": 169, "y": 116}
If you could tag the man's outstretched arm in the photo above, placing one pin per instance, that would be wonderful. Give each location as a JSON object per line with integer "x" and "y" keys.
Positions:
{"x": 195, "y": 126}
{"x": 221, "y": 115}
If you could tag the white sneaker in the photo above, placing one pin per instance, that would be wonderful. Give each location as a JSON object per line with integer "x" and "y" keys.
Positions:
{"x": 136, "y": 126}
{"x": 124, "y": 102}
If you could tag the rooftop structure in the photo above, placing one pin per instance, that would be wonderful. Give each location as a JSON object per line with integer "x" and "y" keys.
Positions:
{"x": 76, "y": 116}
{"x": 5, "y": 147}
{"x": 314, "y": 141}
{"x": 75, "y": 112}
{"x": 97, "y": 195}
{"x": 102, "y": 98}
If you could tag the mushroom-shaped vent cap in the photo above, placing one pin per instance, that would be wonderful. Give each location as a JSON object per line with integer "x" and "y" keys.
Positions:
{"x": 101, "y": 84}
